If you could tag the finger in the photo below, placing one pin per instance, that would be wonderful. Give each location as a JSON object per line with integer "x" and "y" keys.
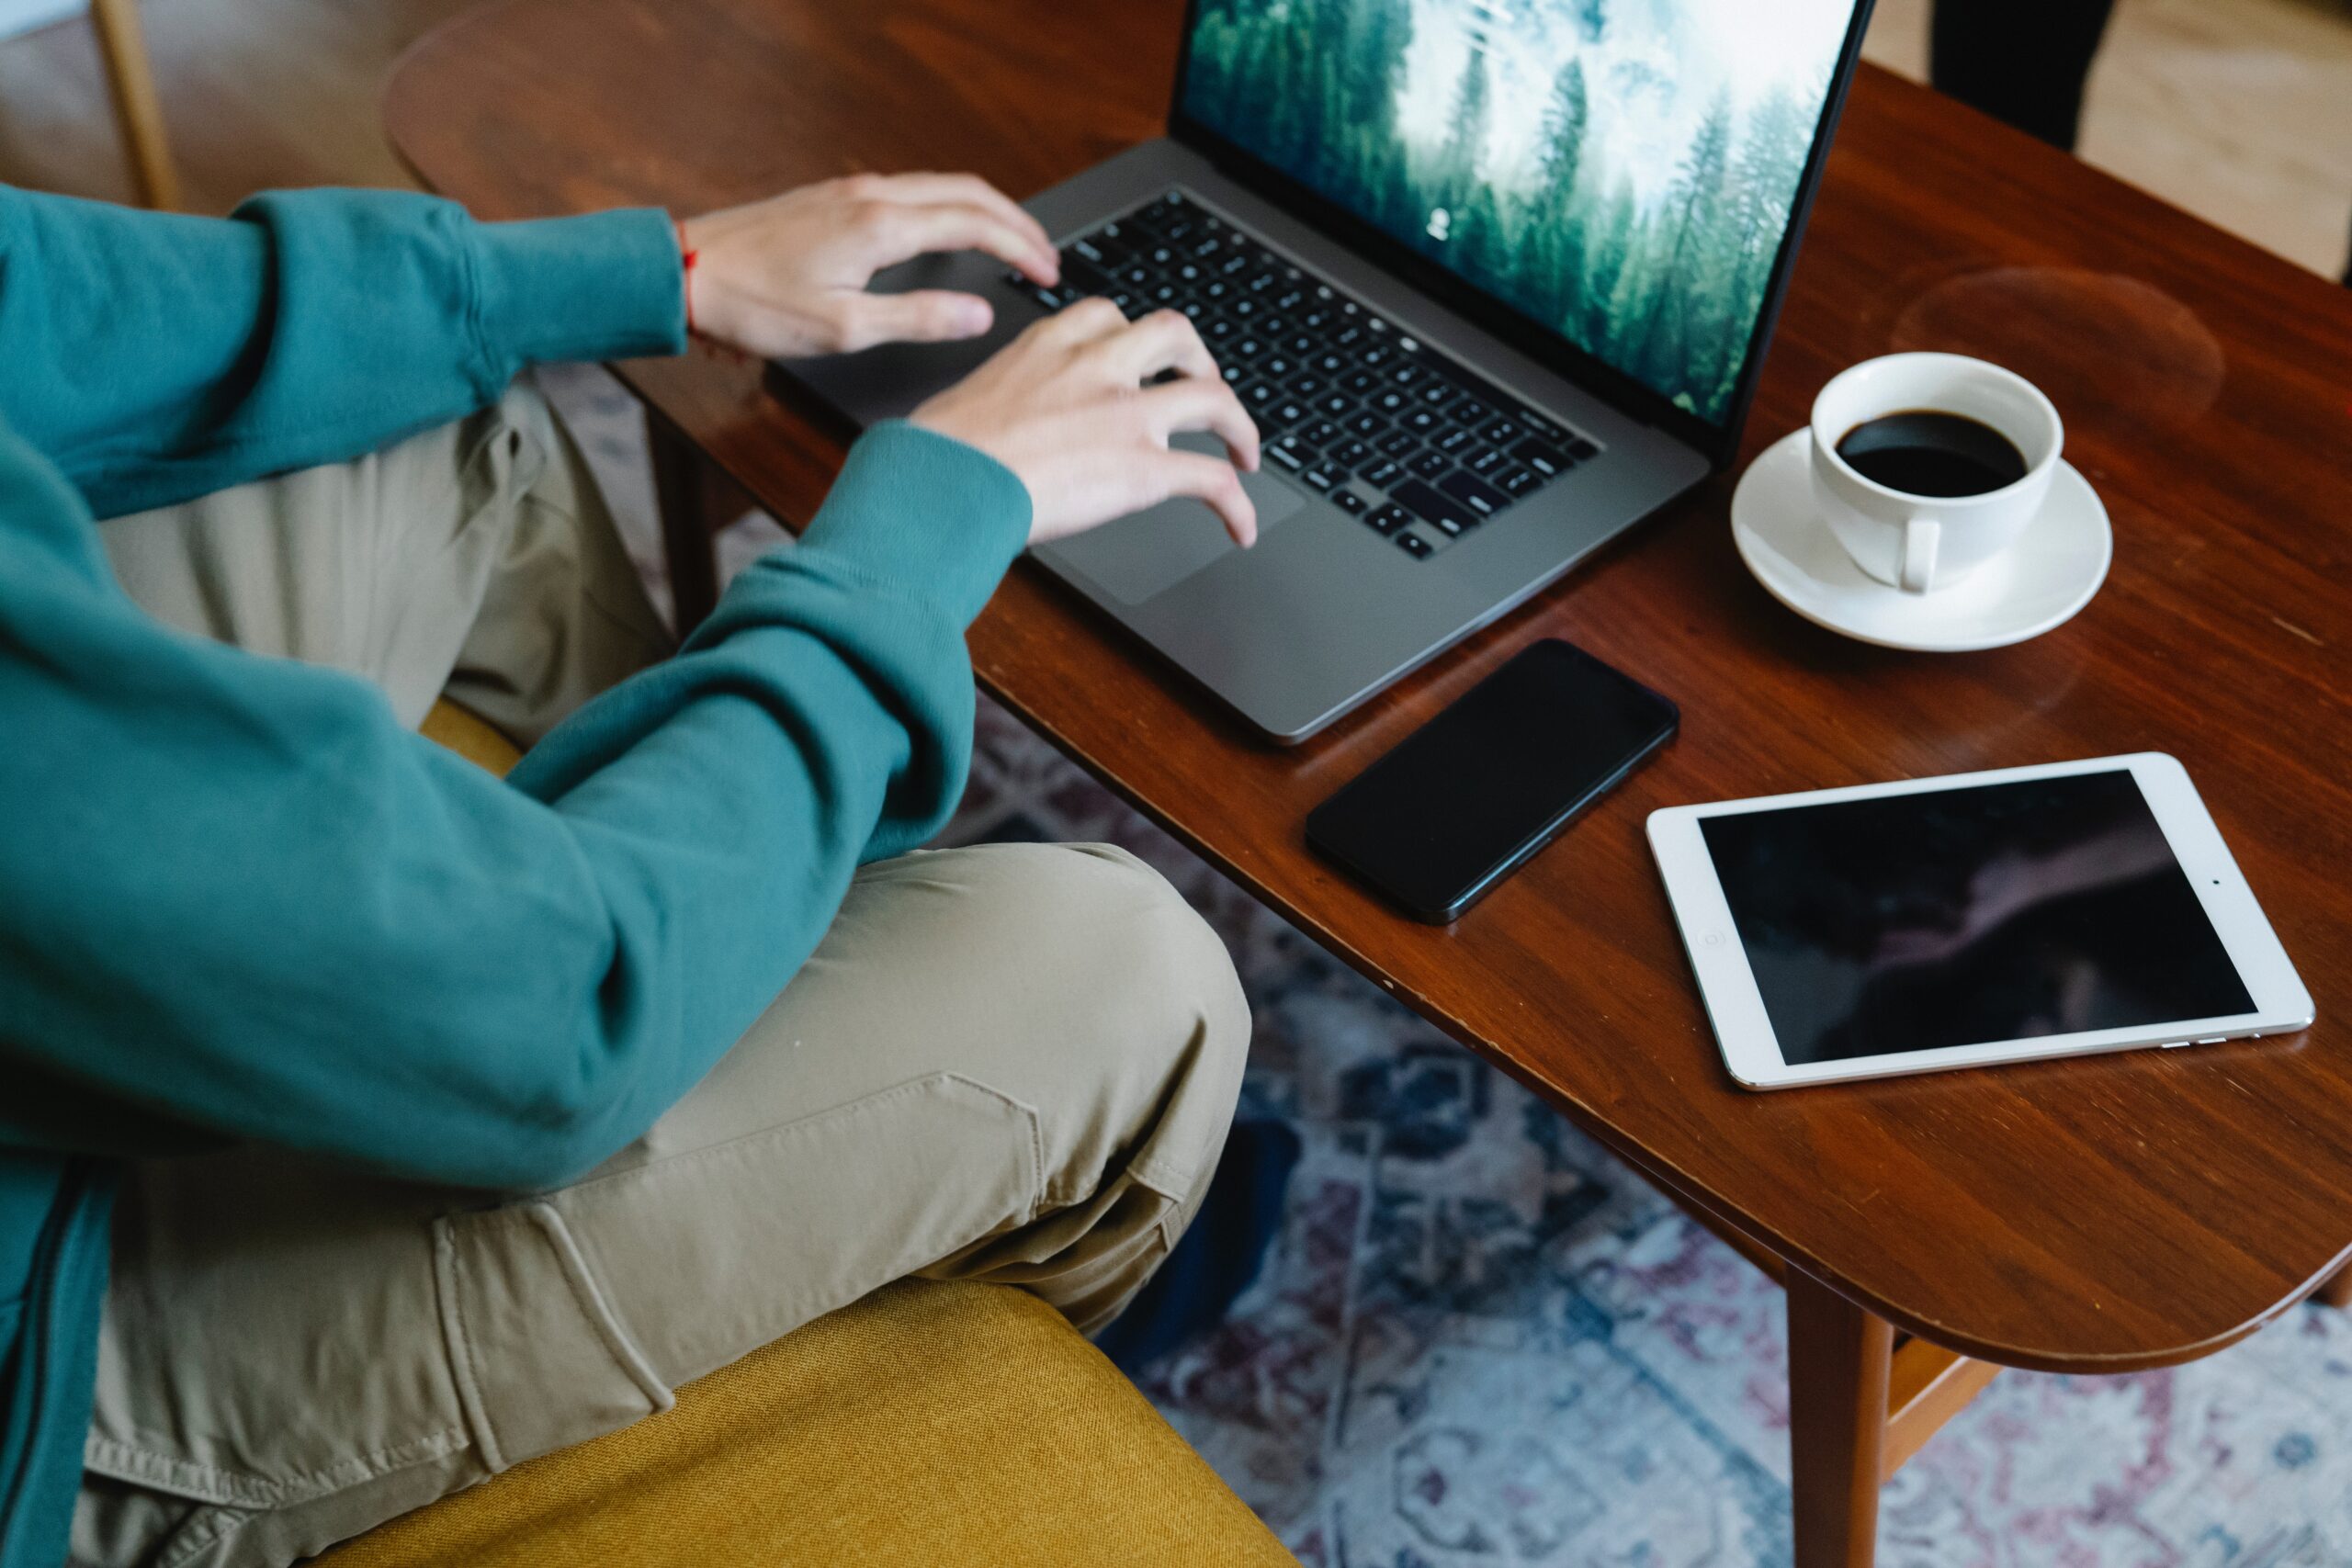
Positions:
{"x": 926, "y": 315}
{"x": 1165, "y": 340}
{"x": 1196, "y": 404}
{"x": 1088, "y": 321}
{"x": 1211, "y": 479}
{"x": 901, "y": 232}
{"x": 968, "y": 189}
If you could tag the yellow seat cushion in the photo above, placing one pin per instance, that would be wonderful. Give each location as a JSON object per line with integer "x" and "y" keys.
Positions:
{"x": 929, "y": 1422}
{"x": 470, "y": 736}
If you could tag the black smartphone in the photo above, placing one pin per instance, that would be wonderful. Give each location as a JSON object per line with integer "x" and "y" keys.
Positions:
{"x": 1468, "y": 798}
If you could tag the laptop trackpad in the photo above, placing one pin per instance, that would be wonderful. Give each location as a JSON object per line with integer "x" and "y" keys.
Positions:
{"x": 1139, "y": 557}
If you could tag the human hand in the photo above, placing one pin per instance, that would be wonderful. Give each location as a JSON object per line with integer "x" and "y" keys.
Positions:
{"x": 786, "y": 277}
{"x": 1065, "y": 408}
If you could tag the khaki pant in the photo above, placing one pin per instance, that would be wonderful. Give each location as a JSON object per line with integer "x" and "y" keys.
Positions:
{"x": 1015, "y": 1062}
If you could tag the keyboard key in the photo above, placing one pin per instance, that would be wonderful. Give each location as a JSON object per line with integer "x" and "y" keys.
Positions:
{"x": 1475, "y": 493}
{"x": 1349, "y": 501}
{"x": 1408, "y": 373}
{"x": 1306, "y": 385}
{"x": 1290, "y": 411}
{"x": 1391, "y": 402}
{"x": 1251, "y": 348}
{"x": 1092, "y": 250}
{"x": 1359, "y": 382}
{"x": 1388, "y": 518}
{"x": 1085, "y": 278}
{"x": 1382, "y": 474}
{"x": 1581, "y": 449}
{"x": 1378, "y": 355}
{"x": 1542, "y": 426}
{"x": 1322, "y": 432}
{"x": 1397, "y": 443}
{"x": 1277, "y": 366}
{"x": 1428, "y": 465}
{"x": 1456, "y": 440}
{"x": 1337, "y": 406}
{"x": 1436, "y": 394}
{"x": 1217, "y": 330}
{"x": 1516, "y": 482}
{"x": 1441, "y": 510}
{"x": 1489, "y": 461}
{"x": 1258, "y": 395}
{"x": 1543, "y": 458}
{"x": 1469, "y": 411}
{"x": 1321, "y": 478}
{"x": 1415, "y": 546}
{"x": 1287, "y": 453}
{"x": 1503, "y": 431}
{"x": 1365, "y": 426}
{"x": 1424, "y": 422}
{"x": 1350, "y": 454}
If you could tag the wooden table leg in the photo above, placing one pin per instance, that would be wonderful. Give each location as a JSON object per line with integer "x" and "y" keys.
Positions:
{"x": 124, "y": 50}
{"x": 682, "y": 489}
{"x": 2337, "y": 1291}
{"x": 1839, "y": 1357}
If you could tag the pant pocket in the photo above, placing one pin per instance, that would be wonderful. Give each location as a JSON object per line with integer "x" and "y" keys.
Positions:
{"x": 705, "y": 1253}
{"x": 541, "y": 1360}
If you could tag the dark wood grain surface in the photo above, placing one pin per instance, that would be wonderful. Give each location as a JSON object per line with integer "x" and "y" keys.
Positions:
{"x": 2106, "y": 1214}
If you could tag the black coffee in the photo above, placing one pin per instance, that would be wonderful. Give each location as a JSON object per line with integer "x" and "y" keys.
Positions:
{"x": 1922, "y": 452}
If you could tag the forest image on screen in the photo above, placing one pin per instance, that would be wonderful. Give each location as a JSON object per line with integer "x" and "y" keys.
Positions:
{"x": 1622, "y": 170}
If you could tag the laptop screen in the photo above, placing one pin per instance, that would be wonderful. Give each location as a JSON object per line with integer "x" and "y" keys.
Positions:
{"x": 1622, "y": 171}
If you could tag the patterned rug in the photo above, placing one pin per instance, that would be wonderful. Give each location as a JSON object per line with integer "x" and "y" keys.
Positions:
{"x": 1483, "y": 1343}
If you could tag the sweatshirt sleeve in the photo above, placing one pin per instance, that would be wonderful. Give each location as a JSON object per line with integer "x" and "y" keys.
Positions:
{"x": 155, "y": 356}
{"x": 237, "y": 895}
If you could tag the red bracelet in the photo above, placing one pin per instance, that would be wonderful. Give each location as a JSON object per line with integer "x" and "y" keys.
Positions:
{"x": 687, "y": 255}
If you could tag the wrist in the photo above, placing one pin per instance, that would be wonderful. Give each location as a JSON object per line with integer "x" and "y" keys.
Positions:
{"x": 689, "y": 258}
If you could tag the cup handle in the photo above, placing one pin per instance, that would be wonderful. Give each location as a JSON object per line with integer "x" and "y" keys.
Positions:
{"x": 1921, "y": 537}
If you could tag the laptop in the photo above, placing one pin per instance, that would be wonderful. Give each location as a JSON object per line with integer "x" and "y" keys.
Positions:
{"x": 1494, "y": 277}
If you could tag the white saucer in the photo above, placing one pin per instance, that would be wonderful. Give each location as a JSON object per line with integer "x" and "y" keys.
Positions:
{"x": 2051, "y": 572}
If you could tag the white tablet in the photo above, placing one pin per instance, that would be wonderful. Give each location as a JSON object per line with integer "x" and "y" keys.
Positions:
{"x": 1956, "y": 922}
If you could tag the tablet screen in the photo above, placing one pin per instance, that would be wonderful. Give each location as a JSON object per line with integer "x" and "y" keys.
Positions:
{"x": 1968, "y": 916}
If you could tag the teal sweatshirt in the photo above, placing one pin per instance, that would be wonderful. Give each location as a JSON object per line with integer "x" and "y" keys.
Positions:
{"x": 239, "y": 902}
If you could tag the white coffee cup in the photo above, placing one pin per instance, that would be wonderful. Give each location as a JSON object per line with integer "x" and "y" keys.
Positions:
{"x": 1918, "y": 542}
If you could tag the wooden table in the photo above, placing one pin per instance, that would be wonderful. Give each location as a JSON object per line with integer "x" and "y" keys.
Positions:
{"x": 2098, "y": 1216}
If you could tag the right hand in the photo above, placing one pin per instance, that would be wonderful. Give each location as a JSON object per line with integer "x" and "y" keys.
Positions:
{"x": 1065, "y": 408}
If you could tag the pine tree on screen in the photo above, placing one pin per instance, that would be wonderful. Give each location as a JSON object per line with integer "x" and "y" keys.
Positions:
{"x": 1665, "y": 284}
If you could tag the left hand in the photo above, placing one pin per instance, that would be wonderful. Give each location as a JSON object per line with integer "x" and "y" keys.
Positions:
{"x": 786, "y": 277}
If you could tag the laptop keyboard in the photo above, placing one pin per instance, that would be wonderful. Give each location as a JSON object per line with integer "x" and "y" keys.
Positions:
{"x": 1422, "y": 450}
